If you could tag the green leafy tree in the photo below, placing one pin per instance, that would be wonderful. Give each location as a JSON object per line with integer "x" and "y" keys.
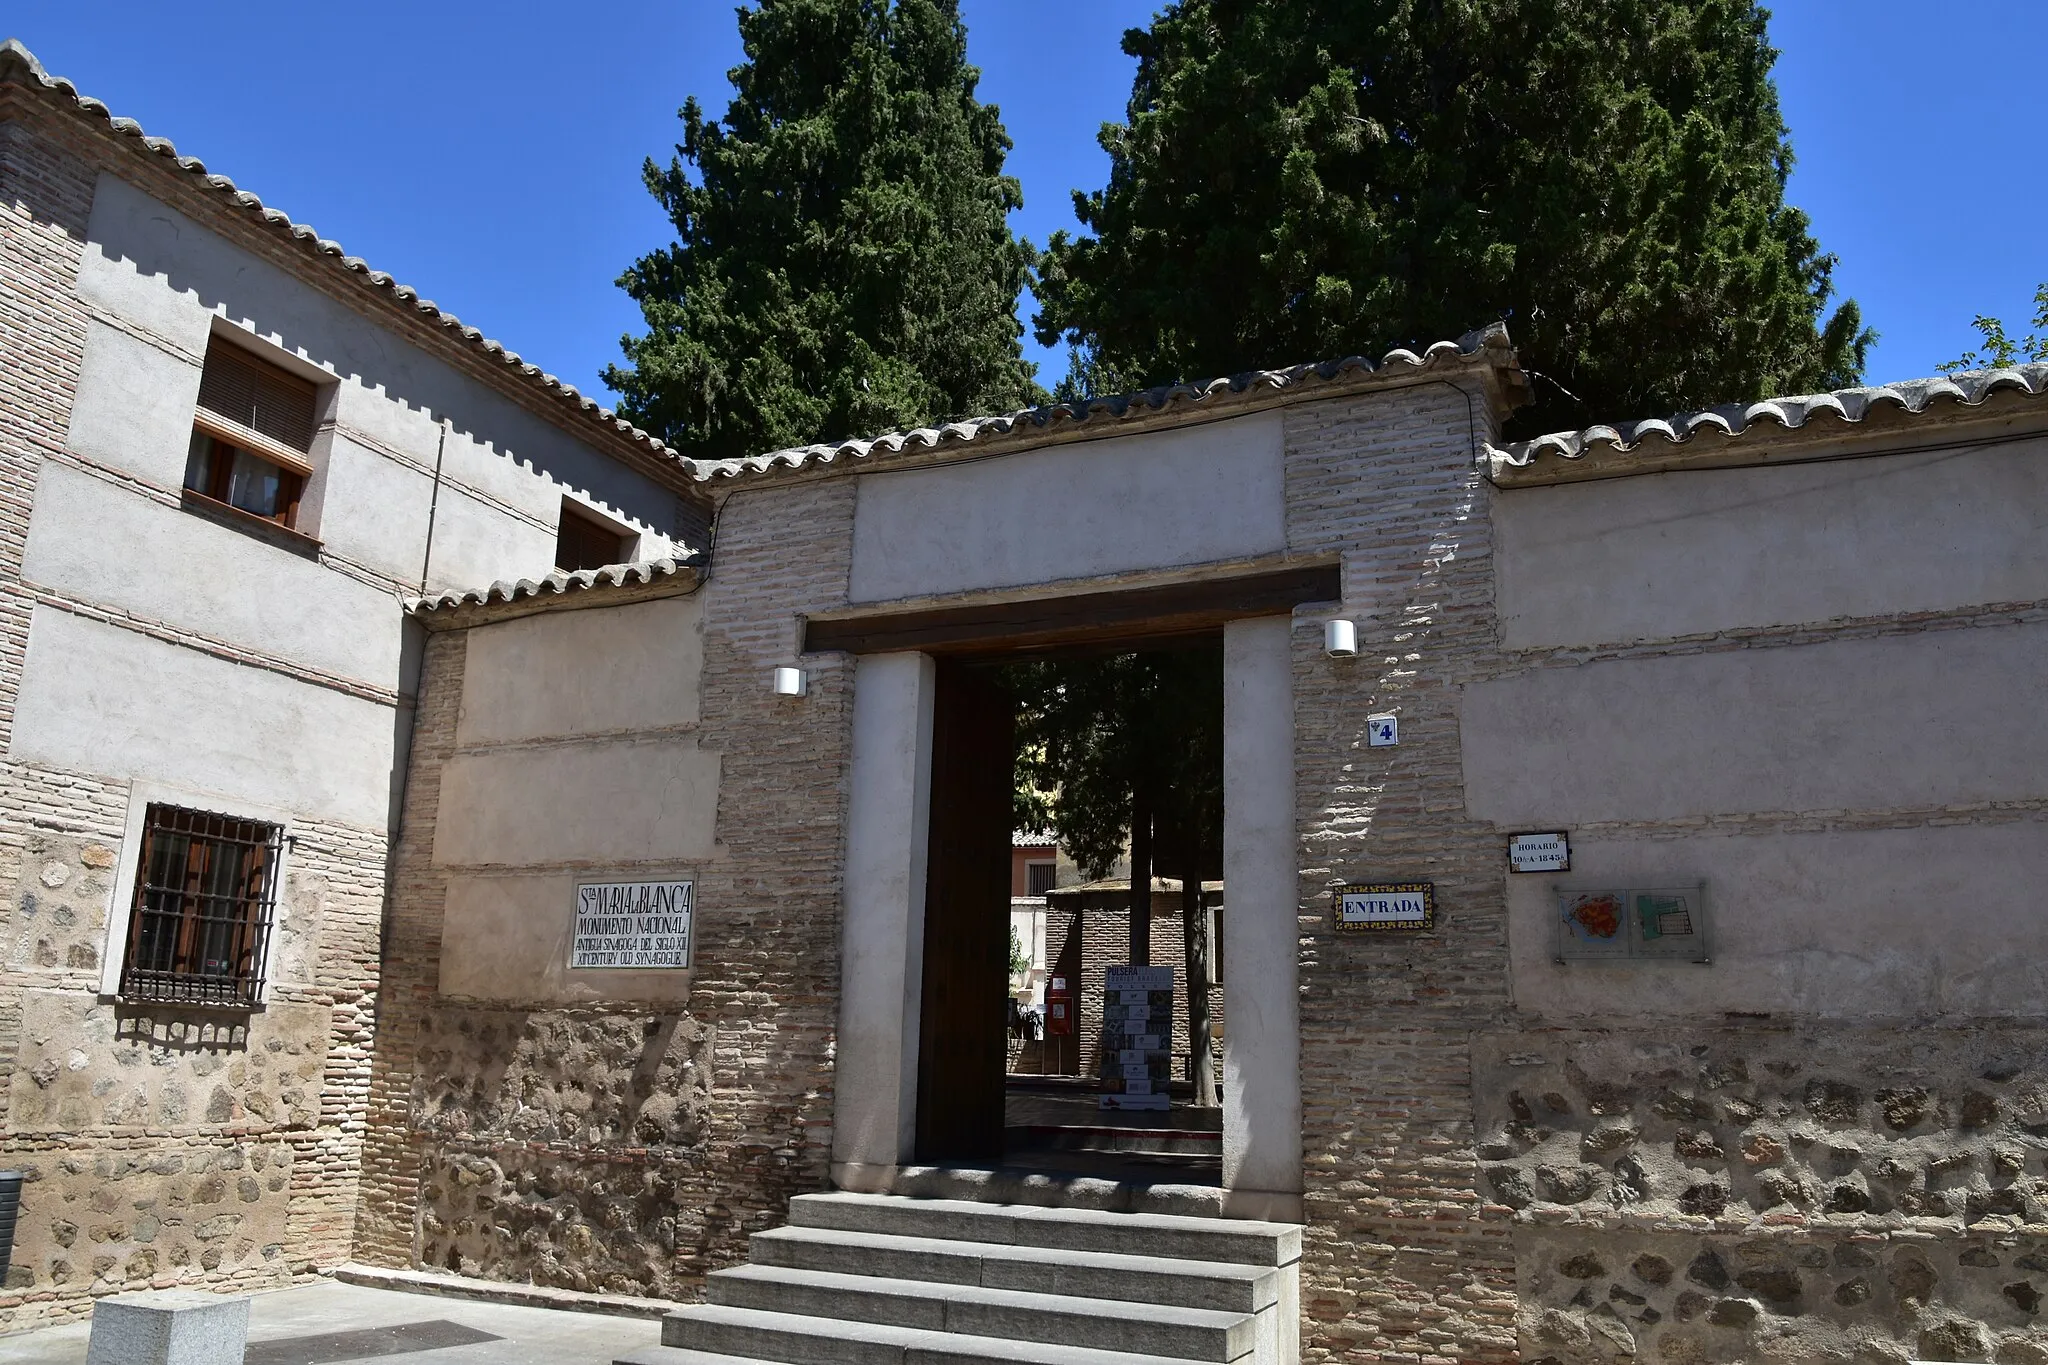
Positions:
{"x": 1126, "y": 752}
{"x": 843, "y": 261}
{"x": 1303, "y": 179}
{"x": 2000, "y": 349}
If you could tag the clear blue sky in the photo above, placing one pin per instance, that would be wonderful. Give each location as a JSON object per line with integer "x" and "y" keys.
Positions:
{"x": 489, "y": 154}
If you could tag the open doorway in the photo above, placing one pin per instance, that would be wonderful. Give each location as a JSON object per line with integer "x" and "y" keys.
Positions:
{"x": 1039, "y": 1047}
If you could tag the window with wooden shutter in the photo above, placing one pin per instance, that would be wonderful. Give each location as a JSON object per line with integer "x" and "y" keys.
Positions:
{"x": 584, "y": 542}
{"x": 252, "y": 435}
{"x": 205, "y": 895}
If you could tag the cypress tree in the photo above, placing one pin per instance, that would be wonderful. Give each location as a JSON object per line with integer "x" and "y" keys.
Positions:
{"x": 843, "y": 262}
{"x": 1305, "y": 179}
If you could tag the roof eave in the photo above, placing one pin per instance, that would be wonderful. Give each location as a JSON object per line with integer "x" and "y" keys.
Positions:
{"x": 506, "y": 600}
{"x": 490, "y": 361}
{"x": 1485, "y": 357}
{"x": 1912, "y": 415}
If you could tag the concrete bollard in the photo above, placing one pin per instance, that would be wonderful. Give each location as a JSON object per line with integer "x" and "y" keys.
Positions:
{"x": 168, "y": 1327}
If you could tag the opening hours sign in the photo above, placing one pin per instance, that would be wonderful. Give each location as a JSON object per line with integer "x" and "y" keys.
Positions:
{"x": 632, "y": 925}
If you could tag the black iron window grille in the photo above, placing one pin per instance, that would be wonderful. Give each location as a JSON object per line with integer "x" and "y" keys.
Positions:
{"x": 205, "y": 891}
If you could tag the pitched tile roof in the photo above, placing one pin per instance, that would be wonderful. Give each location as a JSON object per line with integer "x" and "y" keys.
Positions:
{"x": 1487, "y": 348}
{"x": 641, "y": 573}
{"x": 19, "y": 66}
{"x": 1757, "y": 421}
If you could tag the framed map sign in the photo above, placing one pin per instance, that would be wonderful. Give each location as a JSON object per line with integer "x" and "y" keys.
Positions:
{"x": 632, "y": 926}
{"x": 1387, "y": 906}
{"x": 1632, "y": 924}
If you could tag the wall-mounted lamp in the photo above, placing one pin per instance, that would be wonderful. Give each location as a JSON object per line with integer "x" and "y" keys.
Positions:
{"x": 789, "y": 682}
{"x": 1340, "y": 639}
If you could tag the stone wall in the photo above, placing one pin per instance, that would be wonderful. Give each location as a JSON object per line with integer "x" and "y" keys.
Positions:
{"x": 167, "y": 1146}
{"x": 1792, "y": 1192}
{"x": 1508, "y": 1158}
{"x": 621, "y": 1145}
{"x": 1826, "y": 1144}
{"x": 162, "y": 1147}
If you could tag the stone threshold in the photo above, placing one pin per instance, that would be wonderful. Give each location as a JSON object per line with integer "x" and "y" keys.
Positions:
{"x": 501, "y": 1291}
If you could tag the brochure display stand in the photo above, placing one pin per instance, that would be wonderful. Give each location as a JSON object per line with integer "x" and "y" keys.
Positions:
{"x": 1137, "y": 1037}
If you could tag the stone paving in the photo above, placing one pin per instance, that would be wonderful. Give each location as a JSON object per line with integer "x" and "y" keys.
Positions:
{"x": 332, "y": 1324}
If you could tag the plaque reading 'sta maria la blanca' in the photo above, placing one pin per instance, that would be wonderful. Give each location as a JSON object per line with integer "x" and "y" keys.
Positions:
{"x": 632, "y": 925}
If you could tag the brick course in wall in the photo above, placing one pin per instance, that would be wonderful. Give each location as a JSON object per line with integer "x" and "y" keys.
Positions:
{"x": 648, "y": 1144}
{"x": 1444, "y": 1222}
{"x": 1481, "y": 1185}
{"x": 161, "y": 1147}
{"x": 1484, "y": 1185}
{"x": 1402, "y": 1258}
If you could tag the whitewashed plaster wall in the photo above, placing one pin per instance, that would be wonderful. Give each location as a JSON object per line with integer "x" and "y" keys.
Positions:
{"x": 1662, "y": 555}
{"x": 1818, "y": 690}
{"x": 168, "y": 647}
{"x": 577, "y": 759}
{"x": 163, "y": 278}
{"x": 1202, "y": 494}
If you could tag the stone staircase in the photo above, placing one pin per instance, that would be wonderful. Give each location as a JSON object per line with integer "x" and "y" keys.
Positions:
{"x": 882, "y": 1279}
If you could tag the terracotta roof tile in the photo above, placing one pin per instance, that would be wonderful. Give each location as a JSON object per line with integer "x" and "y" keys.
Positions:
{"x": 1735, "y": 421}
{"x": 1486, "y": 348}
{"x": 18, "y": 65}
{"x": 637, "y": 574}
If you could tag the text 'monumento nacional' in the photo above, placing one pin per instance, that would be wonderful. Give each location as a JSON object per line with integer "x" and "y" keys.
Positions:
{"x": 632, "y": 925}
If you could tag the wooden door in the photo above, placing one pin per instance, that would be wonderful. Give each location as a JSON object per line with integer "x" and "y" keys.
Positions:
{"x": 963, "y": 1040}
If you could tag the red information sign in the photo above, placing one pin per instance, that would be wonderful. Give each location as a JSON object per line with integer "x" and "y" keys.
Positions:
{"x": 1059, "y": 1008}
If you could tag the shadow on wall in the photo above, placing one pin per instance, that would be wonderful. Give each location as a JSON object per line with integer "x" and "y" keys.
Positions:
{"x": 167, "y": 1030}
{"x": 583, "y": 1077}
{"x": 566, "y": 1148}
{"x": 133, "y": 232}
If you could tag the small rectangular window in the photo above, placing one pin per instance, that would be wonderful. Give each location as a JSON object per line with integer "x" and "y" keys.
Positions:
{"x": 1039, "y": 878}
{"x": 205, "y": 895}
{"x": 252, "y": 436}
{"x": 584, "y": 542}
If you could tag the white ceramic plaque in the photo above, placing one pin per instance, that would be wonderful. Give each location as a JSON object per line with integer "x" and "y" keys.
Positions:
{"x": 632, "y": 926}
{"x": 1395, "y": 906}
{"x": 1539, "y": 852}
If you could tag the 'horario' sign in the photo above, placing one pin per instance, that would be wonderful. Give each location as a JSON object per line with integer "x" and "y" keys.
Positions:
{"x": 632, "y": 925}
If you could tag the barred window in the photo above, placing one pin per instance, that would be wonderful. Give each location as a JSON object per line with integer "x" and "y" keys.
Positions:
{"x": 1040, "y": 877}
{"x": 205, "y": 891}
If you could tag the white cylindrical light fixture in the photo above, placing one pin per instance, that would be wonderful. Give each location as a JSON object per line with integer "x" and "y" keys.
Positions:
{"x": 1340, "y": 639}
{"x": 789, "y": 682}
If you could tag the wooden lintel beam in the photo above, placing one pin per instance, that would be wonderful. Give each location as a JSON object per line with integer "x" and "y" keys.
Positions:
{"x": 1077, "y": 620}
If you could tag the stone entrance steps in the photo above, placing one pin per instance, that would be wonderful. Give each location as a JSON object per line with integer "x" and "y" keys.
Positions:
{"x": 1024, "y": 1138}
{"x": 871, "y": 1279}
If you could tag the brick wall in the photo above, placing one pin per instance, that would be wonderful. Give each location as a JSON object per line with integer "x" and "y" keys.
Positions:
{"x": 645, "y": 1144}
{"x": 1402, "y": 1259}
{"x": 1086, "y": 933}
{"x": 45, "y": 198}
{"x": 1484, "y": 1183}
{"x": 161, "y": 1147}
